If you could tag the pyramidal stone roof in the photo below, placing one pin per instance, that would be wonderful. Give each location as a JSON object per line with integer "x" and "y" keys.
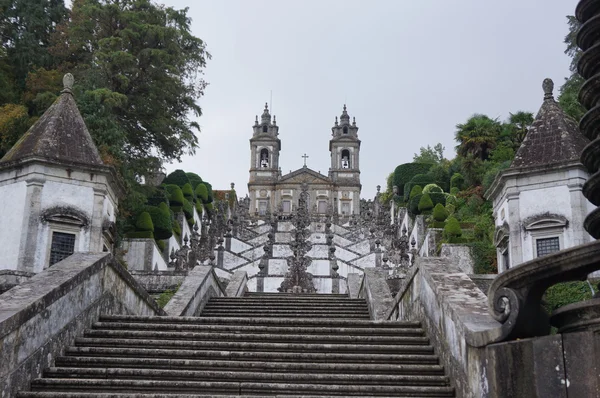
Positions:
{"x": 552, "y": 138}
{"x": 60, "y": 134}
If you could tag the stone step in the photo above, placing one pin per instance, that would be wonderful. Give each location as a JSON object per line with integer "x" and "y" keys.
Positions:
{"x": 416, "y": 346}
{"x": 331, "y": 296}
{"x": 249, "y": 337}
{"x": 284, "y": 315}
{"x": 256, "y": 366}
{"x": 245, "y": 376}
{"x": 183, "y": 320}
{"x": 328, "y": 307}
{"x": 345, "y": 301}
{"x": 248, "y": 388}
{"x": 424, "y": 357}
{"x": 41, "y": 394}
{"x": 401, "y": 330}
{"x": 289, "y": 308}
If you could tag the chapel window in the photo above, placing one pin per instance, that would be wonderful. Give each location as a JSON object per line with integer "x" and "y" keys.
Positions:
{"x": 63, "y": 245}
{"x": 287, "y": 206}
{"x": 345, "y": 159}
{"x": 265, "y": 128}
{"x": 262, "y": 207}
{"x": 345, "y": 208}
{"x": 322, "y": 207}
{"x": 264, "y": 158}
{"x": 545, "y": 246}
{"x": 345, "y": 130}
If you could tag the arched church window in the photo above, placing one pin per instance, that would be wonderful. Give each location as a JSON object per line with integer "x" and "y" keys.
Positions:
{"x": 345, "y": 130}
{"x": 264, "y": 158}
{"x": 265, "y": 129}
{"x": 345, "y": 159}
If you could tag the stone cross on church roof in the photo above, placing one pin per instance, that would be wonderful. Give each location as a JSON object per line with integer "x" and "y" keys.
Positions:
{"x": 305, "y": 156}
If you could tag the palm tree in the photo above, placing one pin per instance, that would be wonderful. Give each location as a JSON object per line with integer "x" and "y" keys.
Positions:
{"x": 517, "y": 127}
{"x": 477, "y": 136}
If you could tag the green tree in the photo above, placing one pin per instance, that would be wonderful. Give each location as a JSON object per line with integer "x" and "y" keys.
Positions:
{"x": 425, "y": 203}
{"x": 477, "y": 136}
{"x": 516, "y": 128}
{"x": 568, "y": 93}
{"x": 26, "y": 29}
{"x": 145, "y": 58}
{"x": 433, "y": 155}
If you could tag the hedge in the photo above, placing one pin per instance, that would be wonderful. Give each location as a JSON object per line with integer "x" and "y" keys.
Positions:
{"x": 452, "y": 228}
{"x": 178, "y": 177}
{"x": 144, "y": 222}
{"x": 405, "y": 172}
{"x": 188, "y": 209}
{"x": 416, "y": 190}
{"x": 413, "y": 204}
{"x": 188, "y": 192}
{"x": 438, "y": 197}
{"x": 194, "y": 179}
{"x": 202, "y": 193}
{"x": 439, "y": 213}
{"x": 177, "y": 228}
{"x": 157, "y": 196}
{"x": 566, "y": 293}
{"x": 161, "y": 219}
{"x": 432, "y": 188}
{"x": 175, "y": 196}
{"x": 425, "y": 203}
{"x": 457, "y": 181}
{"x": 419, "y": 179}
{"x": 140, "y": 235}
{"x": 210, "y": 192}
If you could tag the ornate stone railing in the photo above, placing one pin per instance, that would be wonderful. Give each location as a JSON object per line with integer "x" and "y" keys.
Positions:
{"x": 515, "y": 296}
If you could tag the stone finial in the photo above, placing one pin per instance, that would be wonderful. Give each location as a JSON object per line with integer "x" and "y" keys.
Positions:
{"x": 274, "y": 120}
{"x": 354, "y": 121}
{"x": 548, "y": 86}
{"x": 68, "y": 81}
{"x": 232, "y": 185}
{"x": 336, "y": 120}
{"x": 256, "y": 121}
{"x": 378, "y": 188}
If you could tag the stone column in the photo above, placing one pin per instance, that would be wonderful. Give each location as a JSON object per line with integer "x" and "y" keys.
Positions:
{"x": 30, "y": 225}
{"x": 96, "y": 221}
{"x": 514, "y": 223}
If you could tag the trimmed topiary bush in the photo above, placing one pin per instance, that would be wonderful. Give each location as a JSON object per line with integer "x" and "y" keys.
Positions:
{"x": 432, "y": 188}
{"x": 176, "y": 198}
{"x": 144, "y": 222}
{"x": 419, "y": 179}
{"x": 188, "y": 209}
{"x": 405, "y": 172}
{"x": 454, "y": 191}
{"x": 439, "y": 213}
{"x": 438, "y": 197}
{"x": 161, "y": 219}
{"x": 178, "y": 177}
{"x": 161, "y": 245}
{"x": 176, "y": 228}
{"x": 450, "y": 208}
{"x": 452, "y": 228}
{"x": 202, "y": 193}
{"x": 194, "y": 179}
{"x": 457, "y": 181}
{"x": 413, "y": 204}
{"x": 211, "y": 197}
{"x": 416, "y": 190}
{"x": 140, "y": 235}
{"x": 425, "y": 203}
{"x": 158, "y": 195}
{"x": 188, "y": 192}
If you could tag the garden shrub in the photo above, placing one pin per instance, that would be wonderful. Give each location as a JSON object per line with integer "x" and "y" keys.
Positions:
{"x": 452, "y": 228}
{"x": 188, "y": 192}
{"x": 432, "y": 188}
{"x": 158, "y": 195}
{"x": 161, "y": 245}
{"x": 405, "y": 172}
{"x": 457, "y": 181}
{"x": 176, "y": 198}
{"x": 438, "y": 197}
{"x": 188, "y": 209}
{"x": 565, "y": 293}
{"x": 413, "y": 204}
{"x": 178, "y": 177}
{"x": 425, "y": 203}
{"x": 140, "y": 235}
{"x": 177, "y": 228}
{"x": 416, "y": 190}
{"x": 161, "y": 219}
{"x": 144, "y": 222}
{"x": 194, "y": 179}
{"x": 202, "y": 193}
{"x": 439, "y": 213}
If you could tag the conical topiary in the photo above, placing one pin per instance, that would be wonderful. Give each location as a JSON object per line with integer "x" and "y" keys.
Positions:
{"x": 452, "y": 228}
{"x": 416, "y": 190}
{"x": 202, "y": 192}
{"x": 425, "y": 203}
{"x": 439, "y": 213}
{"x": 188, "y": 192}
{"x": 161, "y": 219}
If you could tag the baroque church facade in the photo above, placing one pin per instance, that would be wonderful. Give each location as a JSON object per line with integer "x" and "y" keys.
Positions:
{"x": 269, "y": 190}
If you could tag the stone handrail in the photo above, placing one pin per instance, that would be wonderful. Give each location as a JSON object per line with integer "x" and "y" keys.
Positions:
{"x": 238, "y": 284}
{"x": 57, "y": 305}
{"x": 375, "y": 290}
{"x": 197, "y": 288}
{"x": 515, "y": 296}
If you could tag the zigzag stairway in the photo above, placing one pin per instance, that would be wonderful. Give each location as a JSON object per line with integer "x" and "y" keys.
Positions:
{"x": 262, "y": 345}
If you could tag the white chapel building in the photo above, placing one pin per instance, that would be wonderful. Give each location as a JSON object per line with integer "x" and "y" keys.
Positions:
{"x": 538, "y": 203}
{"x": 57, "y": 196}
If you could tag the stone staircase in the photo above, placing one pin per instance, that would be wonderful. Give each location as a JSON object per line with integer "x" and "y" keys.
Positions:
{"x": 258, "y": 345}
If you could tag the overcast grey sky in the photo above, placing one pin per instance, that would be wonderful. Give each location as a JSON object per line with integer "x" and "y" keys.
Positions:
{"x": 409, "y": 71}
